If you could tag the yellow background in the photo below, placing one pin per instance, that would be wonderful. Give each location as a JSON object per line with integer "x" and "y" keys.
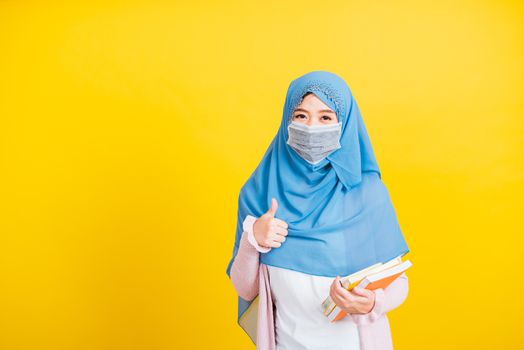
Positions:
{"x": 128, "y": 128}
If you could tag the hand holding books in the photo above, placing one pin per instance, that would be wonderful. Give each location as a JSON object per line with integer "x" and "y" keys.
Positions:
{"x": 358, "y": 300}
{"x": 379, "y": 275}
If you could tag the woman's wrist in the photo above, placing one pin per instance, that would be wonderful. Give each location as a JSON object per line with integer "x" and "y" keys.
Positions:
{"x": 376, "y": 311}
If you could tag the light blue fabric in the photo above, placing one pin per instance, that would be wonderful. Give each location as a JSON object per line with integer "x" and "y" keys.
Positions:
{"x": 339, "y": 212}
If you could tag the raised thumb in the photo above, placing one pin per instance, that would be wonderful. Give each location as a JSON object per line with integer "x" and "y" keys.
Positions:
{"x": 273, "y": 209}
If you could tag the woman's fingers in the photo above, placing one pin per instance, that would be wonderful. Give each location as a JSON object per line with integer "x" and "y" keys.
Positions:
{"x": 366, "y": 293}
{"x": 343, "y": 293}
{"x": 280, "y": 223}
{"x": 275, "y": 244}
{"x": 278, "y": 233}
{"x": 336, "y": 293}
{"x": 335, "y": 297}
{"x": 278, "y": 238}
{"x": 358, "y": 298}
{"x": 347, "y": 300}
{"x": 349, "y": 296}
{"x": 279, "y": 230}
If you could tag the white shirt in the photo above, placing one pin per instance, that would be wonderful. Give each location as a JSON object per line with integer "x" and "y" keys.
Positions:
{"x": 299, "y": 321}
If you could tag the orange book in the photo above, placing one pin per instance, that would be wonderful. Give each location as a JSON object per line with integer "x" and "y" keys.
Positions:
{"x": 374, "y": 281}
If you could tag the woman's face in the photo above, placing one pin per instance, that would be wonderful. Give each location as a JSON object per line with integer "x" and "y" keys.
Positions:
{"x": 312, "y": 111}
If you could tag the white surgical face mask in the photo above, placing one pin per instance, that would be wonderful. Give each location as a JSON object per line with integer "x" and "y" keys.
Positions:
{"x": 314, "y": 143}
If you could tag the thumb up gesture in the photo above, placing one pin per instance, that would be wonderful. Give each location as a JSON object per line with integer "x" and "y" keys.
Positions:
{"x": 268, "y": 230}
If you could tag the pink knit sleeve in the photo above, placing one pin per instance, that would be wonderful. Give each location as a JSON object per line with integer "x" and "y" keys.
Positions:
{"x": 244, "y": 269}
{"x": 385, "y": 300}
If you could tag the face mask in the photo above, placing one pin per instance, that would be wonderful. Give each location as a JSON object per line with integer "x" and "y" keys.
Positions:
{"x": 314, "y": 143}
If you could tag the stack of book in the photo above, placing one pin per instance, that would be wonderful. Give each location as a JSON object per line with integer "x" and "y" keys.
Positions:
{"x": 379, "y": 275}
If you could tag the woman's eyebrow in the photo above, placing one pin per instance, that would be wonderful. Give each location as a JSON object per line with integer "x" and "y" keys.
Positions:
{"x": 321, "y": 111}
{"x": 300, "y": 110}
{"x": 326, "y": 111}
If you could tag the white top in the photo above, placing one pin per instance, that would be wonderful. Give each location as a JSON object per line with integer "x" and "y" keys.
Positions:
{"x": 299, "y": 321}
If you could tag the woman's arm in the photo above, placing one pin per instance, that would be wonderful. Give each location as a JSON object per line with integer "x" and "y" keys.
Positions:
{"x": 386, "y": 299}
{"x": 245, "y": 267}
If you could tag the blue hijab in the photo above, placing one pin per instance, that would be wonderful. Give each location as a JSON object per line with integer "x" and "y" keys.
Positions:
{"x": 339, "y": 213}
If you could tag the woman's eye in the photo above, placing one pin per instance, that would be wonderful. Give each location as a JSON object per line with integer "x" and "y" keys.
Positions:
{"x": 326, "y": 117}
{"x": 300, "y": 116}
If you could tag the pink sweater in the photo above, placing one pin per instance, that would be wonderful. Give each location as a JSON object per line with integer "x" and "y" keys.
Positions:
{"x": 250, "y": 278}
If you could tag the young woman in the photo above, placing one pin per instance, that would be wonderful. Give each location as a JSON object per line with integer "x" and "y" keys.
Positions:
{"x": 315, "y": 209}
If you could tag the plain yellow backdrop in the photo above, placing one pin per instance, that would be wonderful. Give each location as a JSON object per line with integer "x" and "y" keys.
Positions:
{"x": 128, "y": 128}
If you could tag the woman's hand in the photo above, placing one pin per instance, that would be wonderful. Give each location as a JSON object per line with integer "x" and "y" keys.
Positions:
{"x": 356, "y": 301}
{"x": 268, "y": 230}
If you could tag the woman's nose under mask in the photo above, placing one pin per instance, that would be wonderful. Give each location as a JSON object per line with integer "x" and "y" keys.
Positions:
{"x": 314, "y": 143}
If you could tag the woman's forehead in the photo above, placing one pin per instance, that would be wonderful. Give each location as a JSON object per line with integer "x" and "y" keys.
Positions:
{"x": 311, "y": 101}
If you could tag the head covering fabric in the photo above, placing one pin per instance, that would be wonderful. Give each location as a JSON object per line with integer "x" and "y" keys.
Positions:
{"x": 339, "y": 213}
